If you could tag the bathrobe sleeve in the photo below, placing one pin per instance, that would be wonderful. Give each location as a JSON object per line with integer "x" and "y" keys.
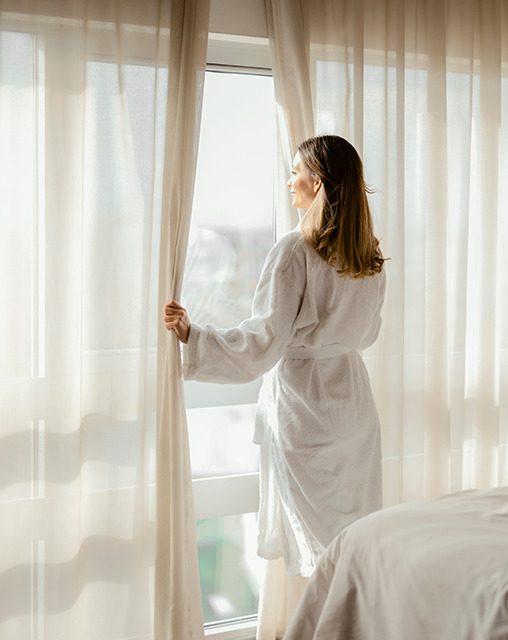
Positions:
{"x": 245, "y": 352}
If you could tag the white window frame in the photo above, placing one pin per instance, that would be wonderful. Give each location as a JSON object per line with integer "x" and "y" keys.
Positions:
{"x": 233, "y": 494}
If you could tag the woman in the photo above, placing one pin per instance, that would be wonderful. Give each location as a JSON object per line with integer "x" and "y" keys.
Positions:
{"x": 317, "y": 305}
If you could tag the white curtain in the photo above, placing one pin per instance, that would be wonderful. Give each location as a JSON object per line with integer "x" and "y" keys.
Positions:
{"x": 421, "y": 89}
{"x": 83, "y": 110}
{"x": 178, "y": 612}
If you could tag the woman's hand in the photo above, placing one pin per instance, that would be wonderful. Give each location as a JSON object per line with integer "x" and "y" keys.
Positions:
{"x": 176, "y": 319}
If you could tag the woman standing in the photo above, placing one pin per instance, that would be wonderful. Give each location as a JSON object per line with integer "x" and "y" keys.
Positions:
{"x": 316, "y": 307}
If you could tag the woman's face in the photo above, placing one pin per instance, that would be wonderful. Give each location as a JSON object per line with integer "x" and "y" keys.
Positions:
{"x": 302, "y": 185}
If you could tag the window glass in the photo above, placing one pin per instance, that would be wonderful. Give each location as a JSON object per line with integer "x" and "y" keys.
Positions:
{"x": 232, "y": 218}
{"x": 229, "y": 567}
{"x": 231, "y": 233}
{"x": 122, "y": 211}
{"x": 21, "y": 215}
{"x": 211, "y": 427}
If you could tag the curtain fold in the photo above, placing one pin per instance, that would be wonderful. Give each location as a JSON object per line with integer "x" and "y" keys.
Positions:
{"x": 290, "y": 45}
{"x": 178, "y": 612}
{"x": 295, "y": 121}
{"x": 420, "y": 88}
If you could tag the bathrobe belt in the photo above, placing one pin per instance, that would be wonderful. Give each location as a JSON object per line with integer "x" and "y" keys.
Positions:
{"x": 316, "y": 353}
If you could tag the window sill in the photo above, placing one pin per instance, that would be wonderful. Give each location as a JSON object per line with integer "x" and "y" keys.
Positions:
{"x": 237, "y": 630}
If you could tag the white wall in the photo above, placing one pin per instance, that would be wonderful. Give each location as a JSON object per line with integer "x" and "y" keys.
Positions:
{"x": 238, "y": 17}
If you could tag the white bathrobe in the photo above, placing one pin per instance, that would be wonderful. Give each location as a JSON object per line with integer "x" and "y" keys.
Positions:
{"x": 317, "y": 425}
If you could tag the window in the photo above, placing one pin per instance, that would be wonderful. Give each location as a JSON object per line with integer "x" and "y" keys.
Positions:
{"x": 21, "y": 132}
{"x": 232, "y": 230}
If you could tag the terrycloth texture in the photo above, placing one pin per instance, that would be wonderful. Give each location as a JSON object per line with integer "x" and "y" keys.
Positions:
{"x": 316, "y": 422}
{"x": 434, "y": 570}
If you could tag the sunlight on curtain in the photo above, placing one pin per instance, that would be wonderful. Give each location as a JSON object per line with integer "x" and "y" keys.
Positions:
{"x": 420, "y": 88}
{"x": 83, "y": 94}
{"x": 178, "y": 612}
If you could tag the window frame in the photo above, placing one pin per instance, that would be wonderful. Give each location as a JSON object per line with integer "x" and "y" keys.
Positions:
{"x": 232, "y": 494}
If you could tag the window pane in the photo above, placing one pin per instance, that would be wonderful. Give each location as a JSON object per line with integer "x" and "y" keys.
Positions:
{"x": 21, "y": 216}
{"x": 122, "y": 220}
{"x": 229, "y": 567}
{"x": 231, "y": 234}
{"x": 232, "y": 219}
{"x": 221, "y": 440}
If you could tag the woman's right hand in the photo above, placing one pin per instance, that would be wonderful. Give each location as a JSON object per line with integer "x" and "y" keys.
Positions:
{"x": 177, "y": 319}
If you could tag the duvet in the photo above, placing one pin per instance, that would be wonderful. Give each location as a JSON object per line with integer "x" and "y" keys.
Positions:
{"x": 434, "y": 570}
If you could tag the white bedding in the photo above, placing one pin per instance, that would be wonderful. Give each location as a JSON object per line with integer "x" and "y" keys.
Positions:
{"x": 435, "y": 570}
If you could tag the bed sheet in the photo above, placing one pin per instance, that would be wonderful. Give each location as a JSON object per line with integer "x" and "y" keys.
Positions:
{"x": 433, "y": 570}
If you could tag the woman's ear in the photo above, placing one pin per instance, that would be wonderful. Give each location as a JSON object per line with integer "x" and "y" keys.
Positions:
{"x": 317, "y": 184}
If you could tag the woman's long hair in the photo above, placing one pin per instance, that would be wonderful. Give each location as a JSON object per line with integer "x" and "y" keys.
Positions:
{"x": 338, "y": 224}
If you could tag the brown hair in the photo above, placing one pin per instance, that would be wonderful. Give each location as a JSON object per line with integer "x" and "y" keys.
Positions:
{"x": 338, "y": 224}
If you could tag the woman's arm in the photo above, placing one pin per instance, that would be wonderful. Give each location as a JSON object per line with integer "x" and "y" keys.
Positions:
{"x": 177, "y": 319}
{"x": 243, "y": 353}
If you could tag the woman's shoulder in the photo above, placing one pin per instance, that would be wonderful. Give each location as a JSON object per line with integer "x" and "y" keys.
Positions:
{"x": 288, "y": 249}
{"x": 290, "y": 240}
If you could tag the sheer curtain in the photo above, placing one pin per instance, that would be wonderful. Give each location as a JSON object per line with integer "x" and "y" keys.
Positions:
{"x": 178, "y": 611}
{"x": 83, "y": 110}
{"x": 421, "y": 89}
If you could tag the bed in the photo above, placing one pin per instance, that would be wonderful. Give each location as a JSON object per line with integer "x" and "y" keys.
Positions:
{"x": 433, "y": 570}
